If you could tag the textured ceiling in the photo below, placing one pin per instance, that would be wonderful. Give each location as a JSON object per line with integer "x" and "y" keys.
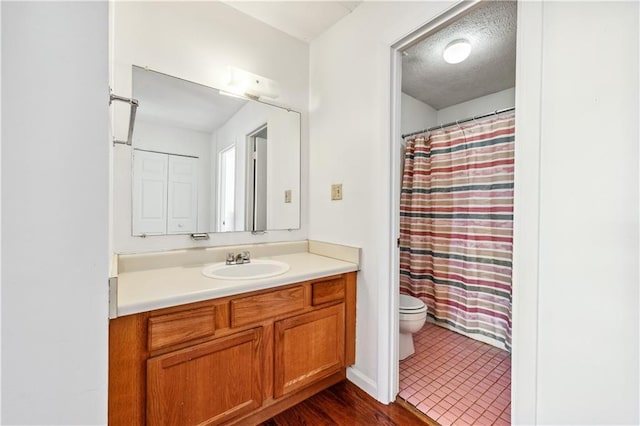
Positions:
{"x": 180, "y": 103}
{"x": 303, "y": 20}
{"x": 491, "y": 67}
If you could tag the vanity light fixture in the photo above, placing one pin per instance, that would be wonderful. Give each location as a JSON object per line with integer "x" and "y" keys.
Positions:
{"x": 239, "y": 96}
{"x": 244, "y": 83}
{"x": 457, "y": 51}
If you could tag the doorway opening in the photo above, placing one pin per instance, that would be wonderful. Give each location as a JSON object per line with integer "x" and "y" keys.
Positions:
{"x": 453, "y": 177}
{"x": 256, "y": 190}
{"x": 226, "y": 189}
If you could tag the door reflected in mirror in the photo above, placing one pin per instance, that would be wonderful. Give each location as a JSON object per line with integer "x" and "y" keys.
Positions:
{"x": 207, "y": 162}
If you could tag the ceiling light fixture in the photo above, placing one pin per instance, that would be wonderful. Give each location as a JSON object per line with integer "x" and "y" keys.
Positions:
{"x": 457, "y": 51}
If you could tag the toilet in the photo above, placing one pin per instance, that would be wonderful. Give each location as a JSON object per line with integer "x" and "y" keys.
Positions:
{"x": 413, "y": 314}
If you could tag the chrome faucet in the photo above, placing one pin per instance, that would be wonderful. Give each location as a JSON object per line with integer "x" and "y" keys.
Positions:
{"x": 238, "y": 259}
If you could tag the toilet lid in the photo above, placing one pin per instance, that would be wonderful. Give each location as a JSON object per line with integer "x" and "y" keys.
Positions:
{"x": 410, "y": 303}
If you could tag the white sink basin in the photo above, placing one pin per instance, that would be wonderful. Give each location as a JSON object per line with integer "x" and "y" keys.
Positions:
{"x": 258, "y": 268}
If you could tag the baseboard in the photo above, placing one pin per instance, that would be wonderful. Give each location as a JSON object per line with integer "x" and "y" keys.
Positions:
{"x": 363, "y": 381}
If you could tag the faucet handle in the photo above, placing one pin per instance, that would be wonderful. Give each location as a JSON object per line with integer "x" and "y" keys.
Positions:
{"x": 230, "y": 258}
{"x": 246, "y": 257}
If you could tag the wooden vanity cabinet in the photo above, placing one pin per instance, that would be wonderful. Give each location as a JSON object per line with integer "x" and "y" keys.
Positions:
{"x": 234, "y": 360}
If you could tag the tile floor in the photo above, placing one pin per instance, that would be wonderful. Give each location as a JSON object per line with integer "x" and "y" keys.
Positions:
{"x": 456, "y": 380}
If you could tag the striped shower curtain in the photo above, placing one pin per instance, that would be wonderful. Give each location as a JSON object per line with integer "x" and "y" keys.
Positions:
{"x": 456, "y": 217}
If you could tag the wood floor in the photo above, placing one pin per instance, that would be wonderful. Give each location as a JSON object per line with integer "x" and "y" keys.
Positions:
{"x": 344, "y": 404}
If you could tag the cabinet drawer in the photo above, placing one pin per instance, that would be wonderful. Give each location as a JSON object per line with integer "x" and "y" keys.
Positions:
{"x": 254, "y": 309}
{"x": 180, "y": 327}
{"x": 327, "y": 291}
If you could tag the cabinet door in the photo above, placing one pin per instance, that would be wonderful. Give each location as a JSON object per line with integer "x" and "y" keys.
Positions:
{"x": 206, "y": 384}
{"x": 308, "y": 347}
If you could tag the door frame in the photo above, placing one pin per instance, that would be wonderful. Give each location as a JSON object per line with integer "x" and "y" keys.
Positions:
{"x": 430, "y": 27}
{"x": 250, "y": 178}
{"x": 526, "y": 205}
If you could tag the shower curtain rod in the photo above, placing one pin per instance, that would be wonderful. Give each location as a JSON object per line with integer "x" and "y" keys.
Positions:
{"x": 454, "y": 123}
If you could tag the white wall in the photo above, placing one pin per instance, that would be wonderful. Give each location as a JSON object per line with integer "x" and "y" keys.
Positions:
{"x": 588, "y": 264}
{"x": 55, "y": 154}
{"x": 283, "y": 155}
{"x": 197, "y": 41}
{"x": 482, "y": 105}
{"x": 416, "y": 115}
{"x": 582, "y": 366}
{"x": 157, "y": 137}
{"x": 349, "y": 144}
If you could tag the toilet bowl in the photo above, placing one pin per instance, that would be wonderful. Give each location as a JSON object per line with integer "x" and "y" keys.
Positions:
{"x": 413, "y": 314}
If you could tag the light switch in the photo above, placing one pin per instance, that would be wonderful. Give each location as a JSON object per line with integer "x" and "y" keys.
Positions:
{"x": 287, "y": 196}
{"x": 336, "y": 191}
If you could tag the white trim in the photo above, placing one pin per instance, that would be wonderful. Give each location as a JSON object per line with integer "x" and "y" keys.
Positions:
{"x": 386, "y": 335}
{"x": 388, "y": 331}
{"x": 526, "y": 214}
{"x": 394, "y": 203}
{"x": 1, "y": 230}
{"x": 361, "y": 380}
{"x": 526, "y": 205}
{"x": 436, "y": 24}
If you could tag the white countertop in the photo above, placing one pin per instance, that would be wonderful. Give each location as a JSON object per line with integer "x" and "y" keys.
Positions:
{"x": 146, "y": 290}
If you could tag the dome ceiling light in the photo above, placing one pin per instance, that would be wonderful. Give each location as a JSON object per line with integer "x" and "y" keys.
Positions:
{"x": 457, "y": 51}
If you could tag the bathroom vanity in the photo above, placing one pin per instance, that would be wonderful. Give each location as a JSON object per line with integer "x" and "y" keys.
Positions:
{"x": 240, "y": 351}
{"x": 191, "y": 162}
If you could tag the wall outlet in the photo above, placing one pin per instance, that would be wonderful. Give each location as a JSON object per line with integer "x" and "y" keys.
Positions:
{"x": 287, "y": 196}
{"x": 336, "y": 191}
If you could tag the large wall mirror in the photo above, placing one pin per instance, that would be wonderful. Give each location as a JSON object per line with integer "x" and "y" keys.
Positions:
{"x": 204, "y": 161}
